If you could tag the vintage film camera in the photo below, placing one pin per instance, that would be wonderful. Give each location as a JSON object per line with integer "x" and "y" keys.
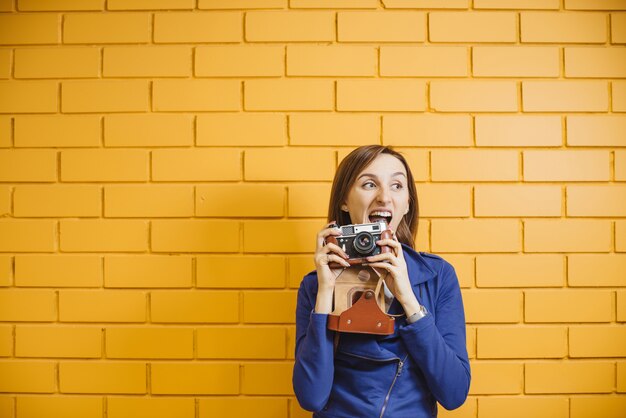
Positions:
{"x": 359, "y": 241}
{"x": 359, "y": 302}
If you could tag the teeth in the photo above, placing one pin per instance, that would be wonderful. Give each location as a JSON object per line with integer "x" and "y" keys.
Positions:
{"x": 380, "y": 213}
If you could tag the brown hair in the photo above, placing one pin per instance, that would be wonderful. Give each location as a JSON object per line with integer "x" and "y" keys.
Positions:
{"x": 345, "y": 177}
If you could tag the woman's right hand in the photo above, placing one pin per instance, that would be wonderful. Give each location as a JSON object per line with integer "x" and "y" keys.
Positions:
{"x": 325, "y": 253}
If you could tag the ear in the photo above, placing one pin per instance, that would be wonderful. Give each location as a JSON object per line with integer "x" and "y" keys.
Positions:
{"x": 344, "y": 207}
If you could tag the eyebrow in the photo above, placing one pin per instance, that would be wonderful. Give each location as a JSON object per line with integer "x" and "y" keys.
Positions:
{"x": 375, "y": 176}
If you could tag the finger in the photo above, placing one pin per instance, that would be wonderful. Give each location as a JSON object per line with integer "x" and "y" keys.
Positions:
{"x": 395, "y": 245}
{"x": 330, "y": 247}
{"x": 334, "y": 257}
{"x": 391, "y": 258}
{"x": 324, "y": 233}
{"x": 385, "y": 266}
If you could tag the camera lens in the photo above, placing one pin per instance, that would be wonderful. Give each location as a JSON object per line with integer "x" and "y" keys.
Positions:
{"x": 364, "y": 243}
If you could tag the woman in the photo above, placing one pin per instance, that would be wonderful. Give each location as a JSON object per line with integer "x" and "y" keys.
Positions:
{"x": 425, "y": 360}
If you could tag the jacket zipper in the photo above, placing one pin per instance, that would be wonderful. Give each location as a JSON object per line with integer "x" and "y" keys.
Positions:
{"x": 398, "y": 372}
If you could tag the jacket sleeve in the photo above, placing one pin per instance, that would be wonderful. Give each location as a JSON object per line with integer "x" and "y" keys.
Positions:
{"x": 313, "y": 368}
{"x": 439, "y": 346}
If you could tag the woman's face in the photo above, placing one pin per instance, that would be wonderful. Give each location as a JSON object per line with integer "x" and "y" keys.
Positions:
{"x": 379, "y": 192}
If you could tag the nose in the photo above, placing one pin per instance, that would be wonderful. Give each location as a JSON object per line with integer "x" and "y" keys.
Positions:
{"x": 383, "y": 195}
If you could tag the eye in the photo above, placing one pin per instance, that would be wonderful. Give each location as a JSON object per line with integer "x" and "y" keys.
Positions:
{"x": 369, "y": 185}
{"x": 397, "y": 186}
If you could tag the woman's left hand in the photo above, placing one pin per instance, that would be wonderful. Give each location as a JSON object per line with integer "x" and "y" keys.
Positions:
{"x": 398, "y": 278}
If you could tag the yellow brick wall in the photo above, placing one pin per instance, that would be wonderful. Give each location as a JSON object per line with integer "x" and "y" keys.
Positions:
{"x": 165, "y": 164}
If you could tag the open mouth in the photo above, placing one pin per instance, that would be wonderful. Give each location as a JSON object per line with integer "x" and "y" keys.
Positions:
{"x": 380, "y": 215}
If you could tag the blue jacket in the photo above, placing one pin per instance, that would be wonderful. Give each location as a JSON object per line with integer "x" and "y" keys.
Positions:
{"x": 399, "y": 375}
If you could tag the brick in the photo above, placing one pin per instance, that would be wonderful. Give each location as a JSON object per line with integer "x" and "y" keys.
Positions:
{"x": 475, "y": 165}
{"x": 566, "y": 165}
{"x": 60, "y": 5}
{"x": 7, "y": 6}
{"x": 27, "y": 376}
{"x": 299, "y": 266}
{"x": 595, "y": 62}
{"x": 226, "y": 200}
{"x": 516, "y": 4}
{"x": 594, "y": 5}
{"x": 57, "y": 131}
{"x": 289, "y": 94}
{"x": 333, "y": 129}
{"x": 471, "y": 342}
{"x": 105, "y": 96}
{"x": 196, "y": 95}
{"x": 60, "y": 341}
{"x": 102, "y": 377}
{"x": 194, "y": 236}
{"x": 620, "y": 236}
{"x": 425, "y": 4}
{"x": 235, "y": 407}
{"x": 150, "y": 4}
{"x": 287, "y": 236}
{"x": 5, "y": 201}
{"x": 290, "y": 26}
{"x": 6, "y": 131}
{"x": 330, "y": 4}
{"x": 381, "y": 95}
{"x": 148, "y": 271}
{"x": 505, "y": 131}
{"x": 592, "y": 406}
{"x": 525, "y": 406}
{"x": 6, "y": 270}
{"x": 291, "y": 342}
{"x": 620, "y": 165}
{"x": 621, "y": 306}
{"x": 7, "y": 404}
{"x": 241, "y": 271}
{"x": 564, "y": 235}
{"x": 194, "y": 306}
{"x": 56, "y": 201}
{"x": 569, "y": 377}
{"x": 28, "y": 165}
{"x": 152, "y": 407}
{"x": 241, "y": 129}
{"x": 561, "y": 96}
{"x": 420, "y": 161}
{"x": 58, "y": 270}
{"x": 255, "y": 381}
{"x": 242, "y": 4}
{"x": 26, "y": 28}
{"x": 421, "y": 61}
{"x": 147, "y": 61}
{"x": 492, "y": 306}
{"x": 55, "y": 406}
{"x": 472, "y": 27}
{"x": 28, "y": 96}
{"x": 109, "y": 28}
{"x": 464, "y": 267}
{"x": 568, "y": 306}
{"x": 595, "y": 270}
{"x": 618, "y": 28}
{"x": 195, "y": 378}
{"x": 621, "y": 377}
{"x": 153, "y": 343}
{"x": 255, "y": 304}
{"x": 196, "y": 165}
{"x": 331, "y": 60}
{"x": 505, "y": 61}
{"x": 434, "y": 130}
{"x": 68, "y": 62}
{"x": 27, "y": 235}
{"x": 148, "y": 201}
{"x": 148, "y": 130}
{"x": 473, "y": 96}
{"x": 5, "y": 63}
{"x": 19, "y": 305}
{"x": 104, "y": 165}
{"x": 601, "y": 200}
{"x": 269, "y": 343}
{"x": 239, "y": 61}
{"x": 558, "y": 27}
{"x": 104, "y": 235}
{"x": 517, "y": 200}
{"x": 195, "y": 27}
{"x": 6, "y": 342}
{"x": 597, "y": 341}
{"x": 483, "y": 235}
{"x": 522, "y": 342}
{"x": 618, "y": 96}
{"x": 377, "y": 26}
{"x": 444, "y": 200}
{"x": 596, "y": 131}
{"x": 289, "y": 164}
{"x": 496, "y": 378}
{"x": 527, "y": 270}
{"x": 308, "y": 200}
{"x": 102, "y": 306}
